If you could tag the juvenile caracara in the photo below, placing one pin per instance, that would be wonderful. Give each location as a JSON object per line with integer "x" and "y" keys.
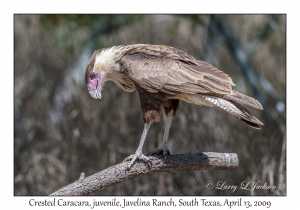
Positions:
{"x": 163, "y": 76}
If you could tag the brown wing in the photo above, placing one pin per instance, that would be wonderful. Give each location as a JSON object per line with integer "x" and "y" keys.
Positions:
{"x": 166, "y": 69}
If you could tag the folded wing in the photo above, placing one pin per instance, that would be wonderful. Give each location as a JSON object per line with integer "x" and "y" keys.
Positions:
{"x": 175, "y": 73}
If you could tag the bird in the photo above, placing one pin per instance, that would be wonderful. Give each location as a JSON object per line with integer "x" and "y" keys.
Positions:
{"x": 163, "y": 76}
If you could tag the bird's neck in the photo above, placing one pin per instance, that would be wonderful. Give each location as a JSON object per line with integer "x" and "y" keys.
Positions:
{"x": 108, "y": 60}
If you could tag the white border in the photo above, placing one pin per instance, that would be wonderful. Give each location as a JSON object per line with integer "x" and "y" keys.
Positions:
{"x": 154, "y": 6}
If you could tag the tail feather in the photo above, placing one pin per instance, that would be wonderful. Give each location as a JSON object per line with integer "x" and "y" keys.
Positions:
{"x": 243, "y": 99}
{"x": 251, "y": 124}
{"x": 236, "y": 109}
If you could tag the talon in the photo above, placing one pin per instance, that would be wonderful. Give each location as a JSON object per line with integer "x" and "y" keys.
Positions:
{"x": 166, "y": 153}
{"x": 160, "y": 151}
{"x": 128, "y": 158}
{"x": 137, "y": 156}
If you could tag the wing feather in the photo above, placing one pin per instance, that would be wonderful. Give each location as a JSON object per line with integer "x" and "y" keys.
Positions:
{"x": 174, "y": 72}
{"x": 163, "y": 69}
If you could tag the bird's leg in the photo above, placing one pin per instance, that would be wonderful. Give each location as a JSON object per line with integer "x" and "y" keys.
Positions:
{"x": 138, "y": 154}
{"x": 163, "y": 149}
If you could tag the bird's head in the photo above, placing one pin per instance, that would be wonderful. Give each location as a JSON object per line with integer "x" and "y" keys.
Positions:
{"x": 100, "y": 69}
{"x": 94, "y": 78}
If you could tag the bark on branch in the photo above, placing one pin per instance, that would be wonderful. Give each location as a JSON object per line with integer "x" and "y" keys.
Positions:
{"x": 173, "y": 163}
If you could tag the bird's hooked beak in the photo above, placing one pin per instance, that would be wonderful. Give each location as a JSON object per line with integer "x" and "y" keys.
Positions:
{"x": 94, "y": 85}
{"x": 95, "y": 93}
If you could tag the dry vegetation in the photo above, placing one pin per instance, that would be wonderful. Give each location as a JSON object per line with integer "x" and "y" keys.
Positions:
{"x": 60, "y": 131}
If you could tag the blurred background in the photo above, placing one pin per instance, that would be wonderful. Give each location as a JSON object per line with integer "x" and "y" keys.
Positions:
{"x": 60, "y": 131}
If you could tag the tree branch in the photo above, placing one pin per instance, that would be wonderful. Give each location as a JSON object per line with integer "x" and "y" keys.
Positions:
{"x": 173, "y": 163}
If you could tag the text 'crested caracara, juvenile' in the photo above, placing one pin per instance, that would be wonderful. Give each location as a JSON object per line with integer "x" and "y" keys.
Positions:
{"x": 163, "y": 76}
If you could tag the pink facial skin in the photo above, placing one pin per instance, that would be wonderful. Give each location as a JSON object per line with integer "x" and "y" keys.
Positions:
{"x": 94, "y": 85}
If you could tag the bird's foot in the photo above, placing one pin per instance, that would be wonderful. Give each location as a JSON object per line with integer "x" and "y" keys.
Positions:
{"x": 159, "y": 151}
{"x": 137, "y": 156}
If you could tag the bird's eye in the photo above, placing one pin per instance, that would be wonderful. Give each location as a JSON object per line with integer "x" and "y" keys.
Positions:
{"x": 92, "y": 75}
